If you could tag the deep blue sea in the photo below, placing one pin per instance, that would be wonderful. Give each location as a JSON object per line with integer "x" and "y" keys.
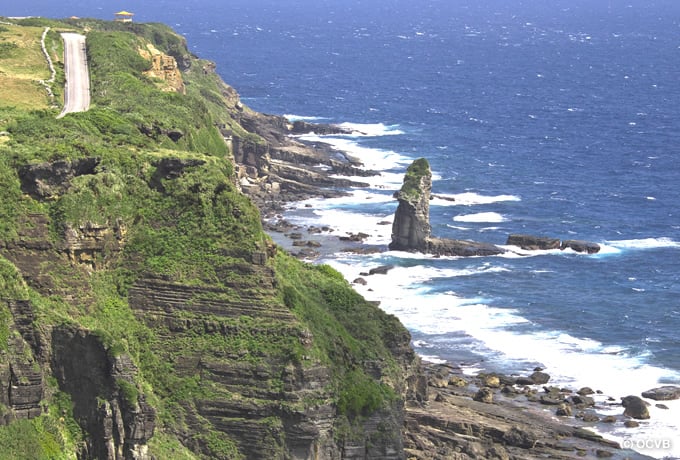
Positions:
{"x": 548, "y": 117}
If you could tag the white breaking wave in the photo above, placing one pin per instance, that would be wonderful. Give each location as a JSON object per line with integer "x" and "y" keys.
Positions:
{"x": 293, "y": 118}
{"x": 469, "y": 199}
{"x": 371, "y": 129}
{"x": 377, "y": 159}
{"x": 571, "y": 361}
{"x": 644, "y": 243}
{"x": 492, "y": 217}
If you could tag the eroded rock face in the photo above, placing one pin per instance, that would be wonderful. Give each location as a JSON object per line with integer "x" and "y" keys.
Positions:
{"x": 411, "y": 227}
{"x": 665, "y": 393}
{"x": 635, "y": 407}
{"x": 532, "y": 243}
{"x": 118, "y": 428}
{"x": 411, "y": 230}
{"x": 51, "y": 179}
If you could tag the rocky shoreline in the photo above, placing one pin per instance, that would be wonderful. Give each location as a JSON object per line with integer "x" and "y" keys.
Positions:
{"x": 487, "y": 416}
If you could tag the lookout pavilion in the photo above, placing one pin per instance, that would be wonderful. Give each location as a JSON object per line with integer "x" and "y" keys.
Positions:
{"x": 124, "y": 16}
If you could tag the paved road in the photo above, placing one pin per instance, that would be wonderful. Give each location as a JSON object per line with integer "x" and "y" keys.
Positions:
{"x": 77, "y": 91}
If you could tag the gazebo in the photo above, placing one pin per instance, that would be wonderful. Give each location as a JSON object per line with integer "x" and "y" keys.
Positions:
{"x": 124, "y": 16}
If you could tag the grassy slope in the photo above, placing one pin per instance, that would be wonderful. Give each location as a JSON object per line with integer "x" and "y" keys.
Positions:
{"x": 193, "y": 232}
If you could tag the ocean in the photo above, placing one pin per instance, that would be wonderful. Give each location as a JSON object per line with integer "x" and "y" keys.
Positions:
{"x": 557, "y": 118}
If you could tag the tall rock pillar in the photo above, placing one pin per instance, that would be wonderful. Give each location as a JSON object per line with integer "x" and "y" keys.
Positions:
{"x": 411, "y": 227}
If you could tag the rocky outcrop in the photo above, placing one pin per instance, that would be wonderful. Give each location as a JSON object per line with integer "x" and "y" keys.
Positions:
{"x": 531, "y": 243}
{"x": 49, "y": 180}
{"x": 164, "y": 68}
{"x": 665, "y": 393}
{"x": 635, "y": 407}
{"x": 171, "y": 168}
{"x": 262, "y": 402}
{"x": 274, "y": 167}
{"x": 411, "y": 227}
{"x": 411, "y": 230}
{"x": 106, "y": 402}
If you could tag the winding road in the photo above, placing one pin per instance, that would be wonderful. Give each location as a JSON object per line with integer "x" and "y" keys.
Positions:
{"x": 77, "y": 91}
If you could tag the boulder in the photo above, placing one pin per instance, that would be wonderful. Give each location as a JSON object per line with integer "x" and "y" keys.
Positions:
{"x": 665, "y": 393}
{"x": 635, "y": 407}
{"x": 585, "y": 391}
{"x": 580, "y": 246}
{"x": 539, "y": 378}
{"x": 381, "y": 270}
{"x": 484, "y": 395}
{"x": 564, "y": 410}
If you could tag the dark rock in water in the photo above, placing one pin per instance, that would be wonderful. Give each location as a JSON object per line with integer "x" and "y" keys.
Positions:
{"x": 524, "y": 381}
{"x": 609, "y": 419}
{"x": 360, "y": 281}
{"x": 635, "y": 407}
{"x": 581, "y": 246}
{"x": 484, "y": 395}
{"x": 631, "y": 424}
{"x": 411, "y": 230}
{"x": 581, "y": 401}
{"x": 460, "y": 248}
{"x": 661, "y": 406}
{"x": 549, "y": 401}
{"x": 530, "y": 242}
{"x": 303, "y": 127}
{"x": 589, "y": 417}
{"x": 665, "y": 393}
{"x": 585, "y": 391}
{"x": 382, "y": 270}
{"x": 601, "y": 453}
{"x": 354, "y": 237}
{"x": 539, "y": 378}
{"x": 294, "y": 235}
{"x": 411, "y": 227}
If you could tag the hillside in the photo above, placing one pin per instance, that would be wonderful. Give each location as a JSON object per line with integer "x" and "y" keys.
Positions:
{"x": 145, "y": 313}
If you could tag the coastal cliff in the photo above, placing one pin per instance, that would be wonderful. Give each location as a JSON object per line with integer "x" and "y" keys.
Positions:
{"x": 145, "y": 314}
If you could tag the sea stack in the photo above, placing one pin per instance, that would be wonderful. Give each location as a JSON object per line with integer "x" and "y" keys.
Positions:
{"x": 411, "y": 227}
{"x": 411, "y": 230}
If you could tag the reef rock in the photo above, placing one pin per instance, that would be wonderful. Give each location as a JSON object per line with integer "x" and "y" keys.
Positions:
{"x": 665, "y": 393}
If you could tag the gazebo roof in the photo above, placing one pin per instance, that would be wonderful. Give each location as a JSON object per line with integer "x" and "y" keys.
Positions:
{"x": 124, "y": 13}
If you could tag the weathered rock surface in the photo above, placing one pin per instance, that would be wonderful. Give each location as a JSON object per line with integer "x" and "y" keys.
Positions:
{"x": 118, "y": 428}
{"x": 635, "y": 407}
{"x": 532, "y": 243}
{"x": 411, "y": 230}
{"x": 665, "y": 393}
{"x": 48, "y": 180}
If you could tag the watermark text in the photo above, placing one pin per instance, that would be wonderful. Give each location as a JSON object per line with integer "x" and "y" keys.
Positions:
{"x": 647, "y": 443}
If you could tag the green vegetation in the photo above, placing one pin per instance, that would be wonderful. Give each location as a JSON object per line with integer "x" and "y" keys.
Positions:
{"x": 38, "y": 439}
{"x": 412, "y": 180}
{"x": 189, "y": 226}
